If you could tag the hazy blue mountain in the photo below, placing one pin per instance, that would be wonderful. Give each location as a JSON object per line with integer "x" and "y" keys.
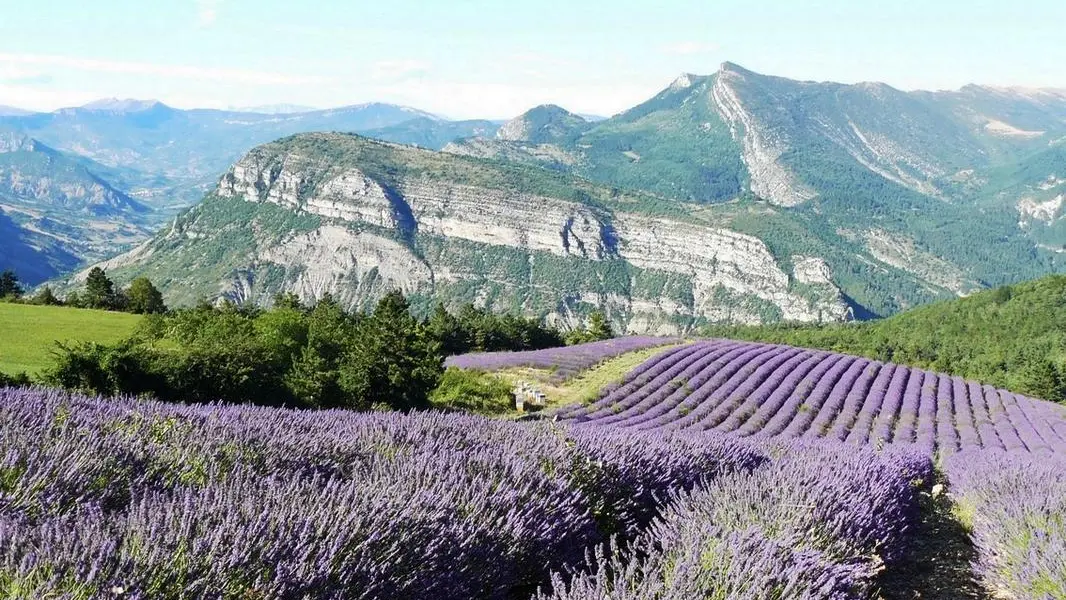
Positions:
{"x": 432, "y": 133}
{"x": 59, "y": 211}
{"x": 11, "y": 111}
{"x": 274, "y": 109}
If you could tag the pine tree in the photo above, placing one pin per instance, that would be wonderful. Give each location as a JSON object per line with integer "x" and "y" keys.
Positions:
{"x": 599, "y": 326}
{"x": 392, "y": 361}
{"x": 99, "y": 290}
{"x": 46, "y": 297}
{"x": 9, "y": 285}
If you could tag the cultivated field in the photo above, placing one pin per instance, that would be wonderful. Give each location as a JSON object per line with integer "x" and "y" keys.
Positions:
{"x": 716, "y": 469}
{"x": 28, "y": 333}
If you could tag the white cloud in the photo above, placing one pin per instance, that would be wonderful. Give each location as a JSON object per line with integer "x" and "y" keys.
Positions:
{"x": 11, "y": 73}
{"x": 689, "y": 48}
{"x": 398, "y": 70}
{"x": 243, "y": 76}
{"x": 207, "y": 12}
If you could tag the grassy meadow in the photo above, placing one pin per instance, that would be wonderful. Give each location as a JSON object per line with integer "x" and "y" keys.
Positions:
{"x": 28, "y": 333}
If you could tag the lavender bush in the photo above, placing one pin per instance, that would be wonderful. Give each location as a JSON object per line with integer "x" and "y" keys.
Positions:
{"x": 1015, "y": 505}
{"x": 163, "y": 501}
{"x": 819, "y": 522}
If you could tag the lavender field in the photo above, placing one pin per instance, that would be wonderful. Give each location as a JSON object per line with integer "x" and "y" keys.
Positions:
{"x": 564, "y": 362}
{"x": 718, "y": 469}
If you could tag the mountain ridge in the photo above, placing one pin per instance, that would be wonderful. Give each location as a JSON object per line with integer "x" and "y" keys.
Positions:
{"x": 892, "y": 198}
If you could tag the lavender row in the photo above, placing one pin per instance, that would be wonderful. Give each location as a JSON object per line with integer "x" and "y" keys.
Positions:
{"x": 772, "y": 391}
{"x": 564, "y": 362}
{"x": 162, "y": 501}
{"x": 816, "y": 523}
{"x": 1015, "y": 505}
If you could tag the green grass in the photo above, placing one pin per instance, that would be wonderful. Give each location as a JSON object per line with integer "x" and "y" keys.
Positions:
{"x": 586, "y": 386}
{"x": 28, "y": 334}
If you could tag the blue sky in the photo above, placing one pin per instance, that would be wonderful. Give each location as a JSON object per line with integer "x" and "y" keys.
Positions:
{"x": 467, "y": 58}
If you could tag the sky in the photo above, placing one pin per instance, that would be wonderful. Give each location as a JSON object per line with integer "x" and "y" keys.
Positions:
{"x": 495, "y": 59}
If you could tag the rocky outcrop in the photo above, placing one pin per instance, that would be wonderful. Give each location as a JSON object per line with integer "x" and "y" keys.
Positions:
{"x": 467, "y": 238}
{"x": 501, "y": 218}
{"x": 715, "y": 258}
{"x": 763, "y": 146}
{"x": 350, "y": 265}
{"x": 902, "y": 253}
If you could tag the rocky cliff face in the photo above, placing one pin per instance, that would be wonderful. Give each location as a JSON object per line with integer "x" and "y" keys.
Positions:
{"x": 438, "y": 239}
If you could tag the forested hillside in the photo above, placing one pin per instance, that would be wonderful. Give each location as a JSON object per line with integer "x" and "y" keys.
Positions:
{"x": 1012, "y": 337}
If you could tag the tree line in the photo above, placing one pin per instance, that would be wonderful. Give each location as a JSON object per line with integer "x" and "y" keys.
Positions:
{"x": 297, "y": 355}
{"x": 140, "y": 297}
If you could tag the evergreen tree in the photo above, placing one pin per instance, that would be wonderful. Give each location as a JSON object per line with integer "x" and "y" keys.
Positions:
{"x": 99, "y": 290}
{"x": 9, "y": 285}
{"x": 599, "y": 327}
{"x": 392, "y": 361}
{"x": 144, "y": 298}
{"x": 46, "y": 297}
{"x": 446, "y": 329}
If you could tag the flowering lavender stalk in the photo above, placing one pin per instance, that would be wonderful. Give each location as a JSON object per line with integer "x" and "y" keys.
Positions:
{"x": 164, "y": 501}
{"x": 1015, "y": 503}
{"x": 810, "y": 524}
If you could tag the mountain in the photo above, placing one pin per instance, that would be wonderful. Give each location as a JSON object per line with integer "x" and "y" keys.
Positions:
{"x": 147, "y": 154}
{"x": 710, "y": 138}
{"x": 544, "y": 124}
{"x": 275, "y": 109}
{"x": 120, "y": 106}
{"x": 891, "y": 198}
{"x": 58, "y": 211}
{"x": 337, "y": 213}
{"x": 907, "y": 176}
{"x": 11, "y": 111}
{"x": 431, "y": 133}
{"x": 169, "y": 157}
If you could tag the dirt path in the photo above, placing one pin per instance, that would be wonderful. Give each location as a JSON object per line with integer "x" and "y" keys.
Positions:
{"x": 937, "y": 566}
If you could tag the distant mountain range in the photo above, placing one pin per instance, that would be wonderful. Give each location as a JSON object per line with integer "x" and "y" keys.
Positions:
{"x": 167, "y": 158}
{"x": 57, "y": 211}
{"x": 850, "y": 200}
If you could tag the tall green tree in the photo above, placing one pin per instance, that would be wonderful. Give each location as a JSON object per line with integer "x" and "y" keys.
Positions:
{"x": 46, "y": 297}
{"x": 446, "y": 328}
{"x": 599, "y": 326}
{"x": 393, "y": 362}
{"x": 9, "y": 285}
{"x": 144, "y": 298}
{"x": 99, "y": 290}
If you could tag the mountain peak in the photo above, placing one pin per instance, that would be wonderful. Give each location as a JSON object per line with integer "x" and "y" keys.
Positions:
{"x": 684, "y": 81}
{"x": 542, "y": 124}
{"x": 732, "y": 67}
{"x": 123, "y": 105}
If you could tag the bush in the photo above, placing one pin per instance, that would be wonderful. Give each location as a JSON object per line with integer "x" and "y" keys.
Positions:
{"x": 472, "y": 391}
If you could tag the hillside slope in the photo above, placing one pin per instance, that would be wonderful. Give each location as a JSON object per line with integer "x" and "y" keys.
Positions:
{"x": 1012, "y": 337}
{"x": 925, "y": 181}
{"x": 338, "y": 213}
{"x": 56, "y": 211}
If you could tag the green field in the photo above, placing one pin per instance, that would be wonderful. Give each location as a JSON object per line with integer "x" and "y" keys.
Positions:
{"x": 28, "y": 333}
